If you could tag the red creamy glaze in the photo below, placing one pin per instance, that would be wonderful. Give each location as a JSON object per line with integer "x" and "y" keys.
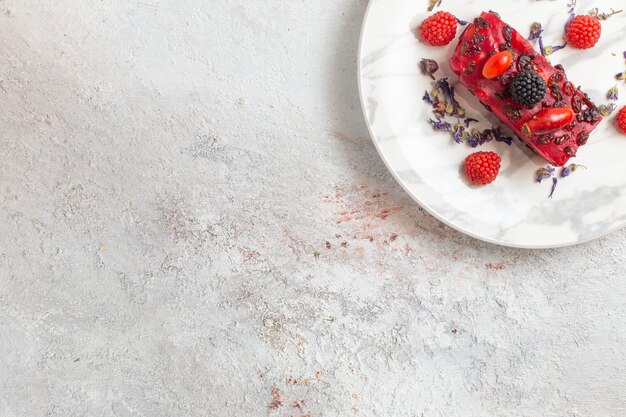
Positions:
{"x": 488, "y": 35}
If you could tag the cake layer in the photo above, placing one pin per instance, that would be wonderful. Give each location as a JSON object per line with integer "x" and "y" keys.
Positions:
{"x": 540, "y": 125}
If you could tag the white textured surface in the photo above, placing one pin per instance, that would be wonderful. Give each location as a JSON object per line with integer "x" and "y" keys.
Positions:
{"x": 170, "y": 169}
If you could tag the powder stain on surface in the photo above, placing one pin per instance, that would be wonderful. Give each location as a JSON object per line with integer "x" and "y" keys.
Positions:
{"x": 495, "y": 266}
{"x": 276, "y": 401}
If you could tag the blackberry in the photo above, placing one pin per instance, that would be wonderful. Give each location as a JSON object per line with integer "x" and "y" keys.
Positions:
{"x": 528, "y": 88}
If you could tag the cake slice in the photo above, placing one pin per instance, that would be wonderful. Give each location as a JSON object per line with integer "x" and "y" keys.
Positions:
{"x": 529, "y": 95}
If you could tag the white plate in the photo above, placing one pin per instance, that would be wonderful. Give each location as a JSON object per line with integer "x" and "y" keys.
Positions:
{"x": 514, "y": 210}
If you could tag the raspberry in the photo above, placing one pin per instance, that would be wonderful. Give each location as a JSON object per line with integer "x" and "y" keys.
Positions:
{"x": 621, "y": 119}
{"x": 583, "y": 32}
{"x": 439, "y": 29}
{"x": 528, "y": 88}
{"x": 482, "y": 167}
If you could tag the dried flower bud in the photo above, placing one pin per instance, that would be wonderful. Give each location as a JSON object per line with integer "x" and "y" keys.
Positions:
{"x": 429, "y": 67}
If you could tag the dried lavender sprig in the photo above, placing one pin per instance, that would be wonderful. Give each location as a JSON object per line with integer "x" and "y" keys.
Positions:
{"x": 445, "y": 105}
{"x": 461, "y": 22}
{"x": 469, "y": 120}
{"x": 613, "y": 93}
{"x": 541, "y": 47}
{"x": 595, "y": 12}
{"x": 536, "y": 31}
{"x": 555, "y": 181}
{"x": 500, "y": 137}
{"x": 571, "y": 7}
{"x": 552, "y": 49}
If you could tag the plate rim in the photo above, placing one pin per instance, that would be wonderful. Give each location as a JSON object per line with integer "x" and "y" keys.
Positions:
{"x": 423, "y": 204}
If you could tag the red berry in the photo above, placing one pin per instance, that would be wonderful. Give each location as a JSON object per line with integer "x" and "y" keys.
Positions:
{"x": 584, "y": 31}
{"x": 548, "y": 120}
{"x": 482, "y": 167}
{"x": 497, "y": 65}
{"x": 621, "y": 119}
{"x": 439, "y": 29}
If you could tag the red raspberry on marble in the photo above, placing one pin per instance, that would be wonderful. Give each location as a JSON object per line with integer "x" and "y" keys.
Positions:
{"x": 583, "y": 32}
{"x": 621, "y": 119}
{"x": 482, "y": 167}
{"x": 439, "y": 29}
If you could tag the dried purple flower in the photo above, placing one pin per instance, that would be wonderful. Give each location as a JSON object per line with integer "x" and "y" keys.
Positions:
{"x": 567, "y": 170}
{"x": 545, "y": 173}
{"x": 448, "y": 92}
{"x": 429, "y": 67}
{"x": 427, "y": 98}
{"x": 458, "y": 133}
{"x": 461, "y": 22}
{"x": 612, "y": 93}
{"x": 476, "y": 138}
{"x": 535, "y": 31}
{"x": 535, "y": 34}
{"x": 440, "y": 125}
{"x": 555, "y": 181}
{"x": 607, "y": 109}
{"x": 445, "y": 106}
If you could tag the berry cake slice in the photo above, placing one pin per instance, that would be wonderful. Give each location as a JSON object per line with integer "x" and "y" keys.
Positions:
{"x": 532, "y": 97}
